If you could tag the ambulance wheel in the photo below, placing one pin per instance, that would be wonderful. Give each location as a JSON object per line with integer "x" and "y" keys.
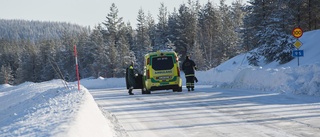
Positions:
{"x": 145, "y": 91}
{"x": 179, "y": 89}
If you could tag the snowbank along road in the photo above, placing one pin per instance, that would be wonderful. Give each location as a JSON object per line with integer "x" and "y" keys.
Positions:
{"x": 210, "y": 112}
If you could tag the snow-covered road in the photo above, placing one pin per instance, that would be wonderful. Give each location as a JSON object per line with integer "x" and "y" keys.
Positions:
{"x": 209, "y": 112}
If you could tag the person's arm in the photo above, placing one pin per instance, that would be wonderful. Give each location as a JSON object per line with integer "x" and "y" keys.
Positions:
{"x": 194, "y": 65}
{"x": 136, "y": 72}
{"x": 183, "y": 66}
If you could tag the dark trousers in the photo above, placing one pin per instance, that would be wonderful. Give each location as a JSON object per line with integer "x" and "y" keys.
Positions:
{"x": 190, "y": 82}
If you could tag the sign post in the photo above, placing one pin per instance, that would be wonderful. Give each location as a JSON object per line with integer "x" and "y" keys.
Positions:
{"x": 297, "y": 33}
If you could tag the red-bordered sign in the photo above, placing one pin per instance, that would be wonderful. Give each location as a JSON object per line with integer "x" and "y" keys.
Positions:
{"x": 297, "y": 32}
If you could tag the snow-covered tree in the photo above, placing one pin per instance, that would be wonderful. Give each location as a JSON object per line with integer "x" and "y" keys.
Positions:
{"x": 306, "y": 13}
{"x": 116, "y": 42}
{"x": 209, "y": 31}
{"x": 47, "y": 53}
{"x": 173, "y": 34}
{"x": 29, "y": 65}
{"x": 93, "y": 53}
{"x": 6, "y": 76}
{"x": 143, "y": 44}
{"x": 228, "y": 37}
{"x": 151, "y": 27}
{"x": 186, "y": 28}
{"x": 272, "y": 38}
{"x": 126, "y": 55}
{"x": 161, "y": 29}
{"x": 237, "y": 15}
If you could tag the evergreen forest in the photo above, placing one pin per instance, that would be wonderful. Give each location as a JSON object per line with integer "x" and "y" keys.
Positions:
{"x": 39, "y": 51}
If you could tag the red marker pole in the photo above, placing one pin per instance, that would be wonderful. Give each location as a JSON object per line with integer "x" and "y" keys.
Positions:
{"x": 77, "y": 70}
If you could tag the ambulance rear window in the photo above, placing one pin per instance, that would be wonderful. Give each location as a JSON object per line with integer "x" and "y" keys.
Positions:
{"x": 162, "y": 63}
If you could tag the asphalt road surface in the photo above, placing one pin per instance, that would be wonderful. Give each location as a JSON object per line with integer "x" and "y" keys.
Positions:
{"x": 209, "y": 112}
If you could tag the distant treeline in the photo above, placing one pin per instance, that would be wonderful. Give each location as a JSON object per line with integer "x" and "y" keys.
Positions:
{"x": 211, "y": 34}
{"x": 34, "y": 31}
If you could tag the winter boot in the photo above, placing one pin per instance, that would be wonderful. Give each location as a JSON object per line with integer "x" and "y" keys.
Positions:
{"x": 130, "y": 91}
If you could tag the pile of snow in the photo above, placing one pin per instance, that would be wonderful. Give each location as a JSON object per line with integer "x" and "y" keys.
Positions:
{"x": 101, "y": 83}
{"x": 50, "y": 109}
{"x": 289, "y": 77}
{"x": 298, "y": 80}
{"x": 5, "y": 86}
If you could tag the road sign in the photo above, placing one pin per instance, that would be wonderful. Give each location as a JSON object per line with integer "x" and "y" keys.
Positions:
{"x": 297, "y": 44}
{"x": 297, "y": 32}
{"x": 297, "y": 53}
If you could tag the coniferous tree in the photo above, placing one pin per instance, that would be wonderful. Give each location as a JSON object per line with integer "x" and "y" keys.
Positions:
{"x": 162, "y": 29}
{"x": 254, "y": 23}
{"x": 85, "y": 55}
{"x": 100, "y": 65}
{"x": 130, "y": 36}
{"x": 278, "y": 44}
{"x": 6, "y": 76}
{"x": 126, "y": 55}
{"x": 237, "y": 14}
{"x": 228, "y": 37}
{"x": 187, "y": 29}
{"x": 65, "y": 56}
{"x": 4, "y": 44}
{"x": 97, "y": 49}
{"x": 113, "y": 25}
{"x": 143, "y": 43}
{"x": 306, "y": 13}
{"x": 209, "y": 31}
{"x": 151, "y": 27}
{"x": 113, "y": 58}
{"x": 173, "y": 34}
{"x": 197, "y": 55}
{"x": 273, "y": 38}
{"x": 47, "y": 55}
{"x": 12, "y": 55}
{"x": 28, "y": 64}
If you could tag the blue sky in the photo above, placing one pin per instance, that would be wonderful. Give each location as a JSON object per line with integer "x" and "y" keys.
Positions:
{"x": 83, "y": 12}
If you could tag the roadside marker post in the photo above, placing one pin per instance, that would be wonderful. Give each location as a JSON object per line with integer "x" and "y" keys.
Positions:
{"x": 77, "y": 70}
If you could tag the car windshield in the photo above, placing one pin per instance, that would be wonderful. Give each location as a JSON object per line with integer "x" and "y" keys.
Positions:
{"x": 162, "y": 63}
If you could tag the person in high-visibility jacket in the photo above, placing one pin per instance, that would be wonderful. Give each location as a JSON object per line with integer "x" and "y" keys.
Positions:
{"x": 131, "y": 79}
{"x": 188, "y": 67}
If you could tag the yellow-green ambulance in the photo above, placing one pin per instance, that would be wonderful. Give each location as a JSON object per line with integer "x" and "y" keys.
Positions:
{"x": 161, "y": 72}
